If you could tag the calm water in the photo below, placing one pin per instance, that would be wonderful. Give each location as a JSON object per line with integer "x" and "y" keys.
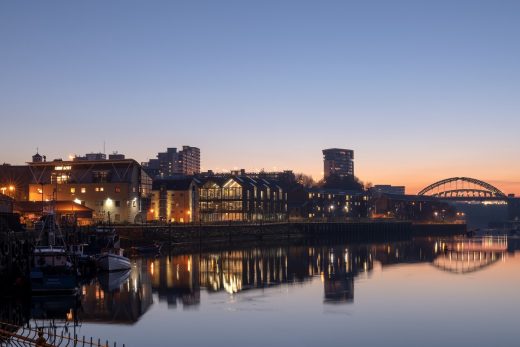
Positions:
{"x": 427, "y": 292}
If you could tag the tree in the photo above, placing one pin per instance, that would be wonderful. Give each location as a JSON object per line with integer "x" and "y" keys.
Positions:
{"x": 346, "y": 182}
{"x": 305, "y": 180}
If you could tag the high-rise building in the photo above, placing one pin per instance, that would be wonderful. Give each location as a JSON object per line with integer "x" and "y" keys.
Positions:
{"x": 173, "y": 162}
{"x": 338, "y": 162}
{"x": 188, "y": 161}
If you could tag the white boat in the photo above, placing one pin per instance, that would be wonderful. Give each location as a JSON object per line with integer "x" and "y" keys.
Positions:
{"x": 113, "y": 262}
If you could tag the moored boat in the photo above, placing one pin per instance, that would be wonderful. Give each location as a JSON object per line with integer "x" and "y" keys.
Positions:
{"x": 152, "y": 249}
{"x": 52, "y": 272}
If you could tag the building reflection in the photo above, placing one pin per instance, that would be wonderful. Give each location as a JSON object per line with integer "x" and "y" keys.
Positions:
{"x": 123, "y": 297}
{"x": 176, "y": 279}
{"x": 338, "y": 268}
{"x": 117, "y": 297}
{"x": 179, "y": 279}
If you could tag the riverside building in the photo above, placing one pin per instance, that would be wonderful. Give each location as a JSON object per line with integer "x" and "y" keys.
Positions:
{"x": 240, "y": 197}
{"x": 117, "y": 190}
{"x": 174, "y": 200}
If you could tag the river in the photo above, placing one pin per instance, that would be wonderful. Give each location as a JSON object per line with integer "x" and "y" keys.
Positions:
{"x": 423, "y": 292}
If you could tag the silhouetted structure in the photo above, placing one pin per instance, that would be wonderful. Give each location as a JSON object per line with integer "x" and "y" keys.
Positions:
{"x": 337, "y": 161}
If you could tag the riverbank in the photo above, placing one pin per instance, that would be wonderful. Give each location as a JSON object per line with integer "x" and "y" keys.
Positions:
{"x": 188, "y": 236}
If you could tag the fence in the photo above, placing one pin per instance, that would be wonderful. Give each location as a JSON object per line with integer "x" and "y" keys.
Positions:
{"x": 15, "y": 335}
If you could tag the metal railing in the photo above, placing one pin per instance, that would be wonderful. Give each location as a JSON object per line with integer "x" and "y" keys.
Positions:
{"x": 16, "y": 335}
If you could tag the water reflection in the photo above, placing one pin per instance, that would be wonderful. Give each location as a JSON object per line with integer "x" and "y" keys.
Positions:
{"x": 117, "y": 297}
{"x": 472, "y": 255}
{"x": 124, "y": 297}
{"x": 175, "y": 279}
{"x": 179, "y": 279}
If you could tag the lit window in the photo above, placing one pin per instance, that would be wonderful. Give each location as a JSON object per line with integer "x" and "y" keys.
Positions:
{"x": 73, "y": 190}
{"x": 117, "y": 189}
{"x": 83, "y": 190}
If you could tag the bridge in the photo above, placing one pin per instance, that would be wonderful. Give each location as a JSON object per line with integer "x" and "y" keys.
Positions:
{"x": 463, "y": 189}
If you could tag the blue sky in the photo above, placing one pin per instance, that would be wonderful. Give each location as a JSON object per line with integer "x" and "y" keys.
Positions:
{"x": 421, "y": 90}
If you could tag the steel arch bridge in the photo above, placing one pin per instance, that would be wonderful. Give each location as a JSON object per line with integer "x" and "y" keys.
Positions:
{"x": 462, "y": 187}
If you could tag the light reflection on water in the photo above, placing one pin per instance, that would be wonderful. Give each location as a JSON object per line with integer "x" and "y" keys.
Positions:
{"x": 408, "y": 293}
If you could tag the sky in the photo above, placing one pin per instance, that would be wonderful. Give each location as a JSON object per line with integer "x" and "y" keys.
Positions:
{"x": 420, "y": 90}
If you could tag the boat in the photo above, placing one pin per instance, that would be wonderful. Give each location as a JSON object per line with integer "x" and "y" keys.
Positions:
{"x": 52, "y": 270}
{"x": 152, "y": 249}
{"x": 113, "y": 261}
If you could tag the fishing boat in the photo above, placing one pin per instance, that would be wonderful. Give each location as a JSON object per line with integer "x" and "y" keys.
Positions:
{"x": 52, "y": 269}
{"x": 113, "y": 260}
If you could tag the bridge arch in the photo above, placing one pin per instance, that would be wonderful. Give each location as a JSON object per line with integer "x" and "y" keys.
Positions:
{"x": 462, "y": 187}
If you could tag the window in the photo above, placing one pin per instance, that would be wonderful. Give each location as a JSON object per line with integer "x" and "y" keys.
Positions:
{"x": 60, "y": 178}
{"x": 83, "y": 190}
{"x": 73, "y": 190}
{"x": 117, "y": 189}
{"x": 99, "y": 189}
{"x": 118, "y": 203}
{"x": 101, "y": 176}
{"x": 117, "y": 217}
